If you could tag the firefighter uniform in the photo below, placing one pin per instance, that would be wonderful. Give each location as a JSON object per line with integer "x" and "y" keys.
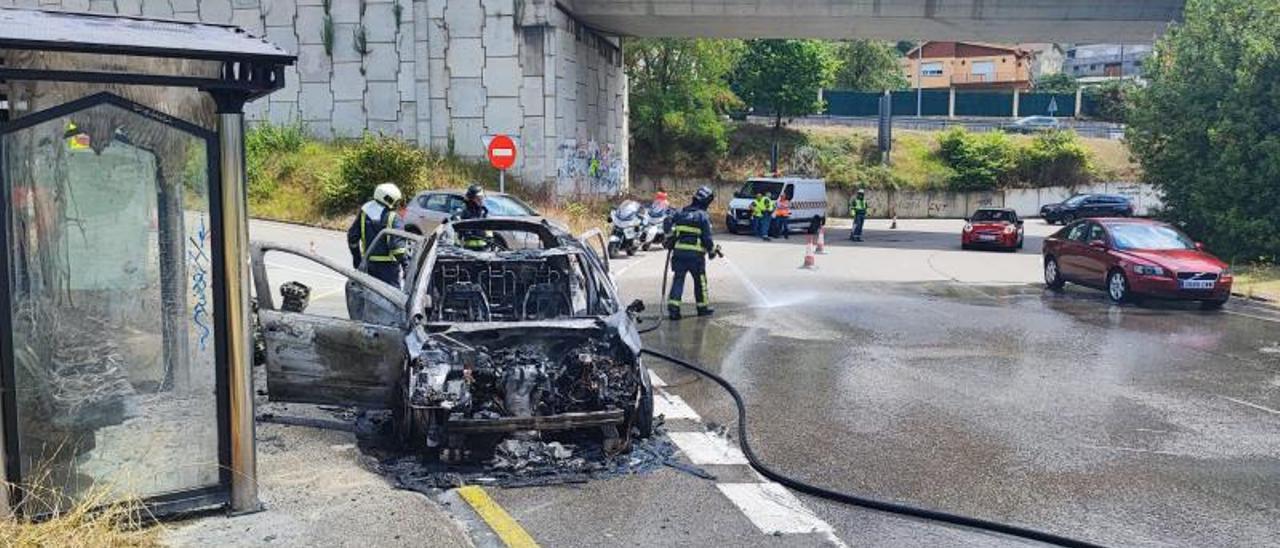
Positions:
{"x": 690, "y": 231}
{"x": 474, "y": 240}
{"x": 387, "y": 256}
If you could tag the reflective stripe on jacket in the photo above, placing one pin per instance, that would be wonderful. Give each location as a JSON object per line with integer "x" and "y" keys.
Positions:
{"x": 690, "y": 230}
{"x": 374, "y": 218}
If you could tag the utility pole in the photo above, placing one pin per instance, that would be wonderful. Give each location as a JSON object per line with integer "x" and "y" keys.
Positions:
{"x": 919, "y": 79}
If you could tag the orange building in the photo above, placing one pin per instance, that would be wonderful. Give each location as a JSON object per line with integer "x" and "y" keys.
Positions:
{"x": 968, "y": 65}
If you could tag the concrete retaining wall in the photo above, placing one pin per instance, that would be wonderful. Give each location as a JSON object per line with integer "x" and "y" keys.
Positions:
{"x": 440, "y": 73}
{"x": 942, "y": 204}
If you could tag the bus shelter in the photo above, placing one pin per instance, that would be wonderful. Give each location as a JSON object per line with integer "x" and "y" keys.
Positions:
{"x": 125, "y": 345}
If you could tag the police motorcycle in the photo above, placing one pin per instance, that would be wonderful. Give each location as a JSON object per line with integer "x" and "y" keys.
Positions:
{"x": 627, "y": 222}
{"x": 652, "y": 218}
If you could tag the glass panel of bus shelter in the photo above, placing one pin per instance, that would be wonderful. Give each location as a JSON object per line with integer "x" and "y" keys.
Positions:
{"x": 111, "y": 283}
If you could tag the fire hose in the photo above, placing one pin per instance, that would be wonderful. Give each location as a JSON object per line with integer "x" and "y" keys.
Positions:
{"x": 859, "y": 500}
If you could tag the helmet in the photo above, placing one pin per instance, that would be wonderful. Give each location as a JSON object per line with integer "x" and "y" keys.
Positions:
{"x": 475, "y": 191}
{"x": 704, "y": 196}
{"x": 387, "y": 194}
{"x": 862, "y": 191}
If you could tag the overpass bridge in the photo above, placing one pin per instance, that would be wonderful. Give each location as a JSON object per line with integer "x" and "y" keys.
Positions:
{"x": 984, "y": 20}
{"x": 449, "y": 73}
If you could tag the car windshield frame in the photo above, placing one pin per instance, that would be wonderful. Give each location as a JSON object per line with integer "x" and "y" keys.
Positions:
{"x": 1142, "y": 236}
{"x": 995, "y": 215}
{"x": 523, "y": 209}
{"x": 750, "y": 188}
{"x": 1076, "y": 200}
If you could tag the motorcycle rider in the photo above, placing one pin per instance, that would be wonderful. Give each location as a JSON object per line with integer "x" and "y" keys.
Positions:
{"x": 691, "y": 245}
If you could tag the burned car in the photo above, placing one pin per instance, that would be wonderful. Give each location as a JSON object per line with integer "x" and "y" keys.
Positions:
{"x": 479, "y": 344}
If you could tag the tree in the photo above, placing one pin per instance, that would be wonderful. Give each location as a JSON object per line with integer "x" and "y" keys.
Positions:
{"x": 1056, "y": 83}
{"x": 868, "y": 65}
{"x": 1207, "y": 128}
{"x": 1110, "y": 100}
{"x": 784, "y": 77}
{"x": 679, "y": 94}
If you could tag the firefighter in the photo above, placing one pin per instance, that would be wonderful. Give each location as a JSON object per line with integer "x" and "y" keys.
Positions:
{"x": 474, "y": 209}
{"x": 782, "y": 218}
{"x": 858, "y": 209}
{"x": 689, "y": 239}
{"x": 388, "y": 255}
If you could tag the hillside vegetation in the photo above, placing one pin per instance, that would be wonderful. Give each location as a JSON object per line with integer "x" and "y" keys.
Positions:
{"x": 953, "y": 159}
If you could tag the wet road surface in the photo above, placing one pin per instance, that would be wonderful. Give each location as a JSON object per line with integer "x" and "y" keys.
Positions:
{"x": 908, "y": 370}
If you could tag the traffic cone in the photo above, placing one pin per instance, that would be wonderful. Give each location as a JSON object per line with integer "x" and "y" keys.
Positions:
{"x": 810, "y": 262}
{"x": 822, "y": 240}
{"x": 894, "y": 224}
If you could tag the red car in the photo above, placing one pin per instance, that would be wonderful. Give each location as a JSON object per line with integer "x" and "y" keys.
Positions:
{"x": 992, "y": 227}
{"x": 1132, "y": 258}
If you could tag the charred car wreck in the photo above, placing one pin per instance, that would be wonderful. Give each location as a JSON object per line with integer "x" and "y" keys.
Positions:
{"x": 480, "y": 345}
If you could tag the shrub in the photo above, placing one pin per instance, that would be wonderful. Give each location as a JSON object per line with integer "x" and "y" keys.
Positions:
{"x": 264, "y": 143}
{"x": 370, "y": 162}
{"x": 982, "y": 161}
{"x": 1054, "y": 158}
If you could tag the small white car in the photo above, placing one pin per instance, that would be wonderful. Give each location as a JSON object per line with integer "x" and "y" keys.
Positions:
{"x": 808, "y": 202}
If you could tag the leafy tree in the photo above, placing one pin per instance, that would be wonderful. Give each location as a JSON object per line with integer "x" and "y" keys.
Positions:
{"x": 679, "y": 93}
{"x": 1110, "y": 99}
{"x": 982, "y": 161}
{"x": 784, "y": 77}
{"x": 1207, "y": 128}
{"x": 1056, "y": 83}
{"x": 868, "y": 65}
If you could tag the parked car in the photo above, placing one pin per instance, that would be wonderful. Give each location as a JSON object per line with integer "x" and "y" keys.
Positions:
{"x": 1134, "y": 258}
{"x": 1087, "y": 205}
{"x": 476, "y": 347}
{"x": 429, "y": 208}
{"x": 992, "y": 227}
{"x": 808, "y": 202}
{"x": 1034, "y": 124}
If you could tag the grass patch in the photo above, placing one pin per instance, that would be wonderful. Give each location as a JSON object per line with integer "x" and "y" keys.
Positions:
{"x": 1258, "y": 281}
{"x": 96, "y": 520}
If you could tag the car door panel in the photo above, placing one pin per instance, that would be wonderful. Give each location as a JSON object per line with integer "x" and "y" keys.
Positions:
{"x": 1093, "y": 260}
{"x": 329, "y": 361}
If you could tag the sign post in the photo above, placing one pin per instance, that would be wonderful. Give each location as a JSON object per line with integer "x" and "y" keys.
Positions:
{"x": 502, "y": 155}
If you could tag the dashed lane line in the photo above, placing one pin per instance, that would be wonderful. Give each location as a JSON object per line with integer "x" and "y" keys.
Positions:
{"x": 673, "y": 407}
{"x": 774, "y": 509}
{"x": 506, "y": 527}
{"x": 705, "y": 448}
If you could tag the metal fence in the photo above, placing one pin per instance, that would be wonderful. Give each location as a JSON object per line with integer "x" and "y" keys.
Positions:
{"x": 936, "y": 102}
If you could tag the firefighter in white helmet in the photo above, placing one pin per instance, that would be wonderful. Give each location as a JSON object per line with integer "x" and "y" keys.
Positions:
{"x": 388, "y": 255}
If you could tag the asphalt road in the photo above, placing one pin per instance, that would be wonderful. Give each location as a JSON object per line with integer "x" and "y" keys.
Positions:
{"x": 906, "y": 369}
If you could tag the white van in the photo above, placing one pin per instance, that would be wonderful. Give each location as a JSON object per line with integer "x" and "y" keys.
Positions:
{"x": 808, "y": 202}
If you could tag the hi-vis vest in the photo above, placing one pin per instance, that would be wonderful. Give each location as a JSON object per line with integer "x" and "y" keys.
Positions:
{"x": 784, "y": 208}
{"x": 375, "y": 217}
{"x": 858, "y": 206}
{"x": 764, "y": 204}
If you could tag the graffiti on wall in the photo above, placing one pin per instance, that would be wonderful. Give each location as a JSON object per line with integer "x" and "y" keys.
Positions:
{"x": 586, "y": 166}
{"x": 199, "y": 258}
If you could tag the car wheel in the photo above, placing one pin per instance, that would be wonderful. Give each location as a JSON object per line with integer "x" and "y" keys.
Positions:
{"x": 1052, "y": 275}
{"x": 1118, "y": 287}
{"x": 730, "y": 225}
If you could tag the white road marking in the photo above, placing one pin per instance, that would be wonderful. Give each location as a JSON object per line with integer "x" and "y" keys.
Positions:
{"x": 656, "y": 380}
{"x": 1251, "y": 316}
{"x": 1130, "y": 450}
{"x": 706, "y": 448}
{"x": 672, "y": 407}
{"x": 1253, "y": 405}
{"x": 773, "y": 509}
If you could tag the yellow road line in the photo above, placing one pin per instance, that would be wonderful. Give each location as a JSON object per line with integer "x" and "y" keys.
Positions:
{"x": 508, "y": 530}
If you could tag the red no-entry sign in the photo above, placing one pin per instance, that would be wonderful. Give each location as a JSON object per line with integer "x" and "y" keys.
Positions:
{"x": 502, "y": 152}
